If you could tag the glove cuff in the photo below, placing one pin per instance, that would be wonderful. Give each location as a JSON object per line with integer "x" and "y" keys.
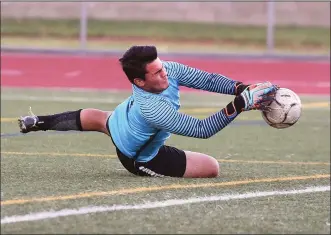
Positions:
{"x": 239, "y": 103}
{"x": 235, "y": 107}
{"x": 239, "y": 88}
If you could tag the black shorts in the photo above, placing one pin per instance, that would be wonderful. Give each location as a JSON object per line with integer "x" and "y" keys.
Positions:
{"x": 169, "y": 161}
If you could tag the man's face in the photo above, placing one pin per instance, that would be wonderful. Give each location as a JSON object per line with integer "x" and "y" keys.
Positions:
{"x": 156, "y": 79}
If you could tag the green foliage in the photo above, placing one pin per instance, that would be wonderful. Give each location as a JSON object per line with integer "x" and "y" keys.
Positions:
{"x": 171, "y": 31}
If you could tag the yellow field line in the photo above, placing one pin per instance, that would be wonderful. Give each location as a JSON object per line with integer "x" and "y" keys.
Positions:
{"x": 159, "y": 188}
{"x": 210, "y": 110}
{"x": 8, "y": 119}
{"x": 207, "y": 110}
{"x": 193, "y": 111}
{"x": 62, "y": 154}
{"x": 114, "y": 156}
{"x": 316, "y": 105}
{"x": 274, "y": 162}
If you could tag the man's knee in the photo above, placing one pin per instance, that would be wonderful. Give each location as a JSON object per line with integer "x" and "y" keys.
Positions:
{"x": 214, "y": 168}
{"x": 200, "y": 165}
{"x": 94, "y": 120}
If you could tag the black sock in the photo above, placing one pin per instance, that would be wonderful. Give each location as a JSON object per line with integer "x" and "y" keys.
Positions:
{"x": 66, "y": 121}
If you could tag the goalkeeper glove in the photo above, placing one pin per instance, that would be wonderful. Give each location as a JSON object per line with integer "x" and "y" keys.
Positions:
{"x": 258, "y": 96}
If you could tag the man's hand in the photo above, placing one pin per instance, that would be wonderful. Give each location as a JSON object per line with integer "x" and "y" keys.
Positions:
{"x": 258, "y": 96}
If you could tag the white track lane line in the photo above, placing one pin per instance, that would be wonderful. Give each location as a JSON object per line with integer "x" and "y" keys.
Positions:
{"x": 157, "y": 204}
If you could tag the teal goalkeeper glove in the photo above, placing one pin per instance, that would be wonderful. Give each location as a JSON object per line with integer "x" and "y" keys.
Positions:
{"x": 258, "y": 96}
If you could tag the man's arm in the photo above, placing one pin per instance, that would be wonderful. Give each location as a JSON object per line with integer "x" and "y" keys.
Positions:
{"x": 198, "y": 79}
{"x": 163, "y": 116}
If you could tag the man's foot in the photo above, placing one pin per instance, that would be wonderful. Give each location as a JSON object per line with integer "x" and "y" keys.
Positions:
{"x": 28, "y": 123}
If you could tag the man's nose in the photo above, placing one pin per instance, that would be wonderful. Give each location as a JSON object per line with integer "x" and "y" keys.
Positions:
{"x": 164, "y": 73}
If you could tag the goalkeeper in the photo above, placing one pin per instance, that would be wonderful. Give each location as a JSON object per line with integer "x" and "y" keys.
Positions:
{"x": 141, "y": 124}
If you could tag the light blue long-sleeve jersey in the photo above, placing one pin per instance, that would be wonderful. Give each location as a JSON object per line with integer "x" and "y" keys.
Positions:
{"x": 141, "y": 124}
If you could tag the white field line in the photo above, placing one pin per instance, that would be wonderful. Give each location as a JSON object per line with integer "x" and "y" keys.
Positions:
{"x": 157, "y": 204}
{"x": 112, "y": 100}
{"x": 128, "y": 91}
{"x": 11, "y": 72}
{"x": 105, "y": 100}
{"x": 70, "y": 99}
{"x": 72, "y": 74}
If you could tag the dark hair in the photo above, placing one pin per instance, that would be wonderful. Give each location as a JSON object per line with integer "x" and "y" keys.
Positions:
{"x": 135, "y": 59}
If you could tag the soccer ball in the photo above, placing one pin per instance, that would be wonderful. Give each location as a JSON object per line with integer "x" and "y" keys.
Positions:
{"x": 285, "y": 109}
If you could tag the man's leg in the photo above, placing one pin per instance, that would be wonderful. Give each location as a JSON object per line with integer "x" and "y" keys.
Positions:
{"x": 94, "y": 120}
{"x": 174, "y": 162}
{"x": 199, "y": 165}
{"x": 80, "y": 120}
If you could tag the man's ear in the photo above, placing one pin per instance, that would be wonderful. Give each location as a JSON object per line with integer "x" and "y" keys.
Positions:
{"x": 139, "y": 82}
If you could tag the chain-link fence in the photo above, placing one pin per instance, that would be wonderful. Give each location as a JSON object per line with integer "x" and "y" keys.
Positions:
{"x": 239, "y": 27}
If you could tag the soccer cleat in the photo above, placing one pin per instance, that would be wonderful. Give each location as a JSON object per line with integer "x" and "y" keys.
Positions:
{"x": 28, "y": 123}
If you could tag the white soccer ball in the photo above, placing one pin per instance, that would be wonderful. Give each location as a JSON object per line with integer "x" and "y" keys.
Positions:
{"x": 285, "y": 109}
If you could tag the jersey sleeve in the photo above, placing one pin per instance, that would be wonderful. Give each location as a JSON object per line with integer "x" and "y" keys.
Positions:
{"x": 199, "y": 79}
{"x": 162, "y": 115}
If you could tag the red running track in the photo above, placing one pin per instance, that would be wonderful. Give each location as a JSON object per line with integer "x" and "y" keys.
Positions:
{"x": 39, "y": 70}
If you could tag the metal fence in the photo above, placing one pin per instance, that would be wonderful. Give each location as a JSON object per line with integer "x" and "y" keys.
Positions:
{"x": 268, "y": 14}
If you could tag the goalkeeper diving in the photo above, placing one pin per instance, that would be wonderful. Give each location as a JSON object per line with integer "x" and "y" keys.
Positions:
{"x": 141, "y": 124}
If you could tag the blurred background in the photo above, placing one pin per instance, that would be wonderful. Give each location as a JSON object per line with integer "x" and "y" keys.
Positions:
{"x": 208, "y": 27}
